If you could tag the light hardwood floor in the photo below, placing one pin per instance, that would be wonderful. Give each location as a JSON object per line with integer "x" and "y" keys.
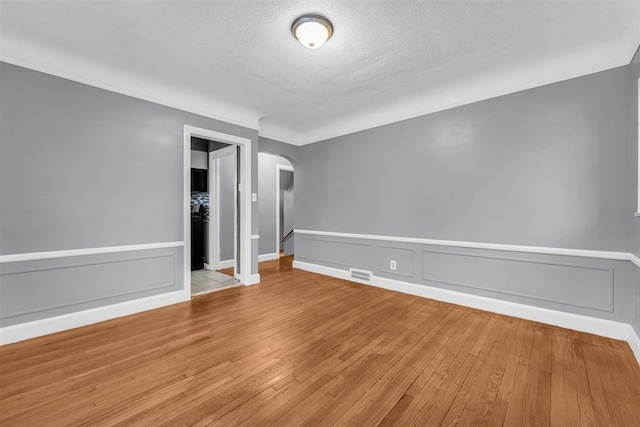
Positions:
{"x": 304, "y": 349}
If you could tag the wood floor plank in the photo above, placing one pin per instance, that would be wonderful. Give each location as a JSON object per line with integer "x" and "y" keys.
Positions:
{"x": 305, "y": 349}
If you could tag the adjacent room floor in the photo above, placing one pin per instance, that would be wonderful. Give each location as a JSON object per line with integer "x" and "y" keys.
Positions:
{"x": 301, "y": 348}
{"x": 203, "y": 281}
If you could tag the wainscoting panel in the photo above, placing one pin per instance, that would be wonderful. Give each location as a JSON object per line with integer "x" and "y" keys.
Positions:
{"x": 33, "y": 290}
{"x": 595, "y": 286}
{"x": 569, "y": 284}
{"x": 404, "y": 259}
{"x": 335, "y": 252}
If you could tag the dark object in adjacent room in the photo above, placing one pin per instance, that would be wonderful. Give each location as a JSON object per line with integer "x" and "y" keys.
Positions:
{"x": 199, "y": 180}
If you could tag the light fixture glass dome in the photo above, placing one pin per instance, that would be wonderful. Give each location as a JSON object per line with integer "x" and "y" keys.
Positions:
{"x": 312, "y": 30}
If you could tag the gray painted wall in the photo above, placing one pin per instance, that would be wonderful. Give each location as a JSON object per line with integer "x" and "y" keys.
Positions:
{"x": 289, "y": 152}
{"x": 199, "y": 159}
{"x": 227, "y": 200}
{"x": 286, "y": 209}
{"x": 587, "y": 286}
{"x": 635, "y": 318}
{"x": 634, "y": 75}
{"x": 543, "y": 167}
{"x": 277, "y": 148}
{"x": 103, "y": 169}
{"x": 267, "y": 200}
{"x": 40, "y": 289}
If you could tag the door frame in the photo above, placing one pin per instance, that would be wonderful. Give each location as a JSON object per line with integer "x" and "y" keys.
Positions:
{"x": 213, "y": 237}
{"x": 243, "y": 217}
{"x": 278, "y": 169}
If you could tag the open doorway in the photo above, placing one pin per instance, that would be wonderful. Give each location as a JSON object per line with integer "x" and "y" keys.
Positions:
{"x": 284, "y": 210}
{"x": 241, "y": 217}
{"x": 214, "y": 177}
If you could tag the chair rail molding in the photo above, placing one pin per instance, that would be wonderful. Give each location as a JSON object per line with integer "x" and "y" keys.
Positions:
{"x": 33, "y": 256}
{"x": 585, "y": 253}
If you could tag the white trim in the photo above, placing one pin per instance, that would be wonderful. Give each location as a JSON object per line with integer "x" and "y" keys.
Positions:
{"x": 253, "y": 280}
{"x": 186, "y": 216}
{"x": 634, "y": 259}
{"x": 592, "y": 325}
{"x": 267, "y": 257}
{"x": 36, "y": 328}
{"x": 209, "y": 291}
{"x": 214, "y": 212}
{"x": 620, "y": 256}
{"x": 492, "y": 86}
{"x": 32, "y": 256}
{"x": 227, "y": 264}
{"x": 245, "y": 199}
{"x": 278, "y": 169}
{"x": 634, "y": 342}
{"x": 175, "y": 99}
{"x": 236, "y": 189}
{"x": 214, "y": 195}
{"x": 255, "y": 236}
{"x": 638, "y": 144}
{"x": 224, "y": 152}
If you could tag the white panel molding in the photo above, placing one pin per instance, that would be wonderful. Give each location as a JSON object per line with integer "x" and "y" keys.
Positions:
{"x": 255, "y": 236}
{"x": 585, "y": 253}
{"x": 24, "y": 331}
{"x": 228, "y": 263}
{"x": 592, "y": 325}
{"x": 33, "y": 256}
{"x": 166, "y": 285}
{"x": 610, "y": 271}
{"x": 268, "y": 257}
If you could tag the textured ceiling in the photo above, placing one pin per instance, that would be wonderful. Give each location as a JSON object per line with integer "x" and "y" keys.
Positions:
{"x": 387, "y": 61}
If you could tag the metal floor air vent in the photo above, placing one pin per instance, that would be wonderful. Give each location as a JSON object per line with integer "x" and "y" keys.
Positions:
{"x": 360, "y": 275}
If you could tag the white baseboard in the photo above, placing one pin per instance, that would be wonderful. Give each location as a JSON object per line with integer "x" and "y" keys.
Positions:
{"x": 228, "y": 263}
{"x": 634, "y": 342}
{"x": 254, "y": 279}
{"x": 268, "y": 257}
{"x": 24, "y": 331}
{"x": 209, "y": 267}
{"x": 577, "y": 322}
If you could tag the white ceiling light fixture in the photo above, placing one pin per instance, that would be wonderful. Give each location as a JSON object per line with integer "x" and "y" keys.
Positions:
{"x": 312, "y": 30}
